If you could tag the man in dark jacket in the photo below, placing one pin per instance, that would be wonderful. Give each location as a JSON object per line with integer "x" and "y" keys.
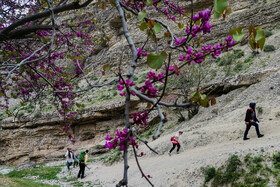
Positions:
{"x": 251, "y": 119}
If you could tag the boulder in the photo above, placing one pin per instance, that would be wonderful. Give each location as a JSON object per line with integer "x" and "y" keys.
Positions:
{"x": 5, "y": 171}
{"x": 26, "y": 165}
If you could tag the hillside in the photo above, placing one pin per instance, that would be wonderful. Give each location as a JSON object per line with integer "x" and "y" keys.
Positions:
{"x": 209, "y": 138}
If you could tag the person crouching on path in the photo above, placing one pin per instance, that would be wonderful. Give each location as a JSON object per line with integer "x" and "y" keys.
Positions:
{"x": 175, "y": 142}
{"x": 69, "y": 158}
{"x": 251, "y": 119}
{"x": 83, "y": 163}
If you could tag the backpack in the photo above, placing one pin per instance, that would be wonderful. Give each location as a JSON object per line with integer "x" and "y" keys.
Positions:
{"x": 82, "y": 156}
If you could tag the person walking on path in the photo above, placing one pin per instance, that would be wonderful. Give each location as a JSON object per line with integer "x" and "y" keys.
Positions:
{"x": 83, "y": 163}
{"x": 69, "y": 158}
{"x": 175, "y": 142}
{"x": 251, "y": 119}
{"x": 76, "y": 161}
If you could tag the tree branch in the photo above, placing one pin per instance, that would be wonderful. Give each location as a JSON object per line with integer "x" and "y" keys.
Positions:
{"x": 46, "y": 13}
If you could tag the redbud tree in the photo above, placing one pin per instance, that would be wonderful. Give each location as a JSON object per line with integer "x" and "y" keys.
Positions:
{"x": 37, "y": 39}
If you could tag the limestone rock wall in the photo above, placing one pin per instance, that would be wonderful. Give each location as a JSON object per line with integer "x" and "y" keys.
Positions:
{"x": 43, "y": 139}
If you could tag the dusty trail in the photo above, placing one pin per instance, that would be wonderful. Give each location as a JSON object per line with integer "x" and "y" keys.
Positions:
{"x": 183, "y": 169}
{"x": 209, "y": 139}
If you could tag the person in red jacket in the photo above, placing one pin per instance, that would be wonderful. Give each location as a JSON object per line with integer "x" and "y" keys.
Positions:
{"x": 175, "y": 142}
{"x": 251, "y": 119}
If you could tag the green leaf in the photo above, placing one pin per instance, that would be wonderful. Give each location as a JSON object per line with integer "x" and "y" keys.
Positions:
{"x": 203, "y": 96}
{"x": 234, "y": 30}
{"x": 153, "y": 37}
{"x": 167, "y": 36}
{"x": 142, "y": 15}
{"x": 237, "y": 37}
{"x": 150, "y": 2}
{"x": 8, "y": 113}
{"x": 259, "y": 34}
{"x": 219, "y": 7}
{"x": 14, "y": 95}
{"x": 261, "y": 42}
{"x": 204, "y": 102}
{"x": 181, "y": 26}
{"x": 155, "y": 61}
{"x": 198, "y": 22}
{"x": 143, "y": 26}
{"x": 195, "y": 96}
{"x": 42, "y": 39}
{"x": 157, "y": 27}
{"x": 228, "y": 10}
{"x": 112, "y": 3}
{"x": 106, "y": 67}
{"x": 251, "y": 42}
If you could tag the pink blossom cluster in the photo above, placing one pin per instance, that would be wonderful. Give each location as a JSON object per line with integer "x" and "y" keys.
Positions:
{"x": 170, "y": 9}
{"x": 222, "y": 47}
{"x": 204, "y": 25}
{"x": 119, "y": 140}
{"x": 172, "y": 69}
{"x": 153, "y": 77}
{"x": 140, "y": 118}
{"x": 148, "y": 88}
{"x": 78, "y": 66}
{"x": 190, "y": 54}
{"x": 180, "y": 41}
{"x": 121, "y": 86}
{"x": 136, "y": 5}
{"x": 140, "y": 52}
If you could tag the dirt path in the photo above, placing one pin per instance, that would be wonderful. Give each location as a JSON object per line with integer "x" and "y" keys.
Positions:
{"x": 183, "y": 169}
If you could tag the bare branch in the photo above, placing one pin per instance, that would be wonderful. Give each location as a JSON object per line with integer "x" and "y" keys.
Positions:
{"x": 46, "y": 13}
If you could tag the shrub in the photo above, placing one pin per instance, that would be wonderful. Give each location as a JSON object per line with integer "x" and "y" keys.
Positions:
{"x": 257, "y": 159}
{"x": 259, "y": 109}
{"x": 268, "y": 48}
{"x": 276, "y": 160}
{"x": 38, "y": 114}
{"x": 268, "y": 33}
{"x": 209, "y": 174}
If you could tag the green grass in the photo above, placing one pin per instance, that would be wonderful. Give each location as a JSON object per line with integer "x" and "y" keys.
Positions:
{"x": 148, "y": 133}
{"x": 17, "y": 182}
{"x": 170, "y": 126}
{"x": 48, "y": 173}
{"x": 65, "y": 179}
{"x": 110, "y": 157}
{"x": 229, "y": 58}
{"x": 252, "y": 171}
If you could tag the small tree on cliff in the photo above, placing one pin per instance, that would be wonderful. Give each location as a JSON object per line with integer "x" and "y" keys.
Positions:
{"x": 38, "y": 39}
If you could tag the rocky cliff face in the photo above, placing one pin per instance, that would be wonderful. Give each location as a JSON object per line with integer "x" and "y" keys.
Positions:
{"x": 42, "y": 139}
